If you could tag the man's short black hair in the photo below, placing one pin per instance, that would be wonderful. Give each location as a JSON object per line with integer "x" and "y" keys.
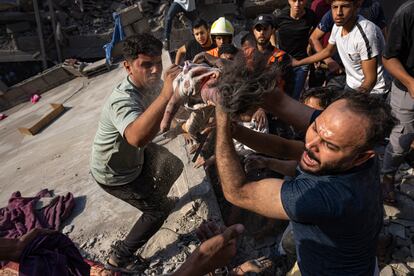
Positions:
{"x": 324, "y": 94}
{"x": 227, "y": 49}
{"x": 144, "y": 44}
{"x": 199, "y": 22}
{"x": 377, "y": 111}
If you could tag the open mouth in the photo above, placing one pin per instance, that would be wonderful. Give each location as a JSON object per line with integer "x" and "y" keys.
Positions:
{"x": 308, "y": 160}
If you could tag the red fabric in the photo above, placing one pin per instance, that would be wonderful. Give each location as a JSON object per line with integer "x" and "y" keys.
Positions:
{"x": 20, "y": 215}
{"x": 320, "y": 7}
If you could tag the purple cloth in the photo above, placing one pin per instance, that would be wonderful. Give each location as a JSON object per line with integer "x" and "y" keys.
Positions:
{"x": 52, "y": 254}
{"x": 20, "y": 215}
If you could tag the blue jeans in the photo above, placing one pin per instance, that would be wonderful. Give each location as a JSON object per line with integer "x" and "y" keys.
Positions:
{"x": 299, "y": 74}
{"x": 174, "y": 9}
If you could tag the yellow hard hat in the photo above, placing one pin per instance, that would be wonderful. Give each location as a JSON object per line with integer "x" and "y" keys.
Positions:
{"x": 222, "y": 27}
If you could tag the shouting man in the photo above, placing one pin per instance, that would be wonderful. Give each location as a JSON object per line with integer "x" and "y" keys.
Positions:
{"x": 334, "y": 198}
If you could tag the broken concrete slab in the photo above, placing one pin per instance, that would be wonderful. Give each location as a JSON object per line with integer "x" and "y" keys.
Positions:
{"x": 397, "y": 230}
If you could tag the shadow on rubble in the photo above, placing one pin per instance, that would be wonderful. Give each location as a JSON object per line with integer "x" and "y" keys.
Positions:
{"x": 80, "y": 203}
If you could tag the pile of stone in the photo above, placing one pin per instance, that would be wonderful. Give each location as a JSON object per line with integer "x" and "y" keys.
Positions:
{"x": 399, "y": 223}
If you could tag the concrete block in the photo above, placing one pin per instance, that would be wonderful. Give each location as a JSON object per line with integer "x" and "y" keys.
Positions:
{"x": 254, "y": 7}
{"x": 18, "y": 27}
{"x": 129, "y": 30}
{"x": 3, "y": 88}
{"x": 28, "y": 43}
{"x": 130, "y": 15}
{"x": 141, "y": 26}
{"x": 55, "y": 76}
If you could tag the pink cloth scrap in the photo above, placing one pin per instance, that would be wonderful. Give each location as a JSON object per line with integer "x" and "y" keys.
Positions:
{"x": 20, "y": 215}
{"x": 35, "y": 98}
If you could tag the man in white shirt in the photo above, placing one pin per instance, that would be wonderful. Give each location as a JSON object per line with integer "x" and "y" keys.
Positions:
{"x": 360, "y": 44}
{"x": 188, "y": 7}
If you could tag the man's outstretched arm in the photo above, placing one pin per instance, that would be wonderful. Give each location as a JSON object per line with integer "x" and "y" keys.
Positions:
{"x": 261, "y": 197}
{"x": 268, "y": 144}
{"x": 288, "y": 109}
{"x": 141, "y": 131}
{"x": 320, "y": 56}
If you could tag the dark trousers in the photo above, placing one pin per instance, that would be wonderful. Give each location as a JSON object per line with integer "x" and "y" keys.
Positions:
{"x": 148, "y": 193}
{"x": 174, "y": 9}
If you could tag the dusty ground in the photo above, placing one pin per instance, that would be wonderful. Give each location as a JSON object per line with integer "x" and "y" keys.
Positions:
{"x": 58, "y": 158}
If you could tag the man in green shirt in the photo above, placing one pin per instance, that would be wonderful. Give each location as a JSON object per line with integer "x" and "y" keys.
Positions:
{"x": 121, "y": 162}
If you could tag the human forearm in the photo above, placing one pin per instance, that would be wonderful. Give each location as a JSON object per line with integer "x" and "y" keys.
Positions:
{"x": 319, "y": 56}
{"x": 180, "y": 55}
{"x": 397, "y": 70}
{"x": 231, "y": 173}
{"x": 280, "y": 147}
{"x": 285, "y": 167}
{"x": 146, "y": 126}
{"x": 288, "y": 109}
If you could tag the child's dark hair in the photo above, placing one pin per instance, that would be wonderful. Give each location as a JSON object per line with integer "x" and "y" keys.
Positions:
{"x": 228, "y": 49}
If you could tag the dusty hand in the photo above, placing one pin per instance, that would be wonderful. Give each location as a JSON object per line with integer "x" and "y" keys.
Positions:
{"x": 217, "y": 251}
{"x": 209, "y": 229}
{"x": 26, "y": 239}
{"x": 201, "y": 161}
{"x": 295, "y": 62}
{"x": 259, "y": 117}
{"x": 255, "y": 162}
{"x": 171, "y": 73}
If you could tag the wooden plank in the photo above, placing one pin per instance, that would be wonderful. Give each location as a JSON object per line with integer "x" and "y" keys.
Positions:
{"x": 57, "y": 109}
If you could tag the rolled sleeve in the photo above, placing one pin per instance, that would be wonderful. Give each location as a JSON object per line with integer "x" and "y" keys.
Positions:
{"x": 306, "y": 201}
{"x": 370, "y": 46}
{"x": 326, "y": 24}
{"x": 124, "y": 112}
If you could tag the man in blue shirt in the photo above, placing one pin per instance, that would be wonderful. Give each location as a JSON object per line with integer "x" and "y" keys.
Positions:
{"x": 334, "y": 202}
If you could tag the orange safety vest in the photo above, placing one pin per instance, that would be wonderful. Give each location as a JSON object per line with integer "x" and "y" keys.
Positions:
{"x": 277, "y": 56}
{"x": 213, "y": 52}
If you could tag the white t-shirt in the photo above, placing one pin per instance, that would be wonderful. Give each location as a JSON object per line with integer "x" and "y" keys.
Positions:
{"x": 188, "y": 5}
{"x": 364, "y": 42}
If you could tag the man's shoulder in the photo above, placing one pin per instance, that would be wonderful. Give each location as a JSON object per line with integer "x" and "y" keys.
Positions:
{"x": 406, "y": 9}
{"x": 191, "y": 43}
{"x": 283, "y": 15}
{"x": 365, "y": 26}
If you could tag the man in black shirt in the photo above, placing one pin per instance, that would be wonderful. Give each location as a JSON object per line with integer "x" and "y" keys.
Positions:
{"x": 295, "y": 25}
{"x": 398, "y": 59}
{"x": 202, "y": 42}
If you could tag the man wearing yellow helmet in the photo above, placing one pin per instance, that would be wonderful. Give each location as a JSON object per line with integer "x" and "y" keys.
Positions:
{"x": 222, "y": 32}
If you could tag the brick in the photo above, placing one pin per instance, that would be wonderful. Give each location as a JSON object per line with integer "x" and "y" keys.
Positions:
{"x": 130, "y": 15}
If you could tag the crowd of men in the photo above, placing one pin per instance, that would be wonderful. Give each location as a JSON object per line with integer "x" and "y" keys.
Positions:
{"x": 324, "y": 177}
{"x": 327, "y": 174}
